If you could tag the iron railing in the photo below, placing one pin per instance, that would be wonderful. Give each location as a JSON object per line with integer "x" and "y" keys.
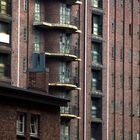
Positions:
{"x": 39, "y": 47}
{"x": 56, "y": 18}
{"x": 63, "y": 79}
{"x": 69, "y": 110}
{"x": 63, "y": 49}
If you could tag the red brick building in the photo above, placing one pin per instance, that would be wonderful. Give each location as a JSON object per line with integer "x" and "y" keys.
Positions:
{"x": 112, "y": 69}
{"x": 28, "y": 114}
{"x": 90, "y": 52}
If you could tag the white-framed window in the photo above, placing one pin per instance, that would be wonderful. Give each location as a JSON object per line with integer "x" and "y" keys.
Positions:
{"x": 34, "y": 125}
{"x": 20, "y": 126}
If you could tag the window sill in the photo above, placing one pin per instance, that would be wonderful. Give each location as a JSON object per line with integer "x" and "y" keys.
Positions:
{"x": 22, "y": 136}
{"x": 34, "y": 137}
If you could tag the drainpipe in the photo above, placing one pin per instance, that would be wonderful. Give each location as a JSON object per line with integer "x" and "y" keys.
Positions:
{"x": 108, "y": 12}
{"x": 18, "y": 44}
{"x": 85, "y": 69}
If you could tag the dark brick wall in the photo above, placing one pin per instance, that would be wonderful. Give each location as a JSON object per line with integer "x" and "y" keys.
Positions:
{"x": 49, "y": 120}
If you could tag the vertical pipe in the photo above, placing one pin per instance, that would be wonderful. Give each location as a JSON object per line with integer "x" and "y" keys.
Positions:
{"x": 108, "y": 12}
{"x": 85, "y": 67}
{"x": 18, "y": 44}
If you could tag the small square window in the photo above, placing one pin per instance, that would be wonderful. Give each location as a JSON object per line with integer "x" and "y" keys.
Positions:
{"x": 130, "y": 29}
{"x": 34, "y": 126}
{"x": 113, "y": 27}
{"x": 20, "y": 124}
{"x": 113, "y": 79}
{"x": 121, "y": 54}
{"x": 25, "y": 5}
{"x": 138, "y": 57}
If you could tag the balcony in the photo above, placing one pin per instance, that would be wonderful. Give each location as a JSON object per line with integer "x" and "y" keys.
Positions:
{"x": 64, "y": 52}
{"x": 67, "y": 23}
{"x": 63, "y": 81}
{"x": 69, "y": 112}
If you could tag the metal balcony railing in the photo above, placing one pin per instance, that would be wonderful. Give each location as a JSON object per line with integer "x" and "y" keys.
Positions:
{"x": 56, "y": 19}
{"x": 63, "y": 49}
{"x": 69, "y": 110}
{"x": 63, "y": 79}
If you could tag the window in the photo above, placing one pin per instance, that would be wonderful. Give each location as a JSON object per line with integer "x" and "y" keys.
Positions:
{"x": 37, "y": 10}
{"x": 130, "y": 82}
{"x": 97, "y": 25}
{"x": 112, "y": 107}
{"x": 138, "y": 136}
{"x": 130, "y": 56}
{"x": 96, "y": 108}
{"x": 129, "y": 108}
{"x": 65, "y": 131}
{"x": 64, "y": 73}
{"x": 138, "y": 57}
{"x": 121, "y": 107}
{"x": 5, "y": 65}
{"x": 4, "y": 33}
{"x": 122, "y": 2}
{"x": 25, "y": 5}
{"x": 96, "y": 131}
{"x": 113, "y": 79}
{"x": 113, "y": 2}
{"x": 113, "y": 135}
{"x": 64, "y": 14}
{"x": 121, "y": 135}
{"x": 130, "y": 3}
{"x": 3, "y": 6}
{"x": 139, "y": 6}
{"x": 25, "y": 33}
{"x": 64, "y": 43}
{"x": 122, "y": 27}
{"x": 24, "y": 64}
{"x": 122, "y": 79}
{"x": 130, "y": 29}
{"x": 113, "y": 27}
{"x": 20, "y": 125}
{"x": 97, "y": 3}
{"x": 38, "y": 61}
{"x": 96, "y": 82}
{"x": 96, "y": 53}
{"x": 138, "y": 110}
{"x": 113, "y": 52}
{"x": 37, "y": 42}
{"x": 129, "y": 135}
{"x": 121, "y": 54}
{"x": 34, "y": 126}
{"x": 138, "y": 30}
{"x": 138, "y": 83}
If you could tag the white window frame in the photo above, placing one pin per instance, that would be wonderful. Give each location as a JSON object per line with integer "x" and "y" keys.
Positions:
{"x": 20, "y": 124}
{"x": 34, "y": 125}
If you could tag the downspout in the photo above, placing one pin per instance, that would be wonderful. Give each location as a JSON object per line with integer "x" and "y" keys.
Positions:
{"x": 108, "y": 12}
{"x": 85, "y": 65}
{"x": 18, "y": 45}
